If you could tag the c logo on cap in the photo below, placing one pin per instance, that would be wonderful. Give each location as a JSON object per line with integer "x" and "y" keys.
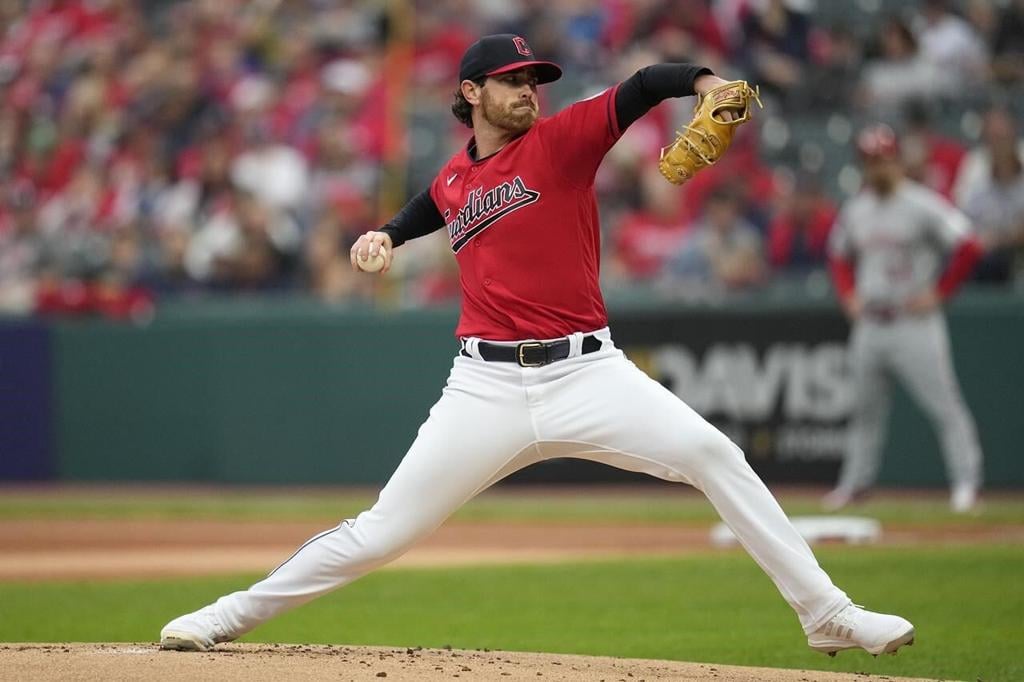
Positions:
{"x": 522, "y": 47}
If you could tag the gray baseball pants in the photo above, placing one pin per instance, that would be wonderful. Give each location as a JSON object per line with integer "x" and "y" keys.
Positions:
{"x": 916, "y": 351}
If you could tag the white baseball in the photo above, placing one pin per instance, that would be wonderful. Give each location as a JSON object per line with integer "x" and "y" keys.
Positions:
{"x": 371, "y": 263}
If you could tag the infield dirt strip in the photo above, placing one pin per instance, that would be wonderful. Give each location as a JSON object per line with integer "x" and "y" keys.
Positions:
{"x": 119, "y": 548}
{"x": 97, "y": 549}
{"x": 306, "y": 662}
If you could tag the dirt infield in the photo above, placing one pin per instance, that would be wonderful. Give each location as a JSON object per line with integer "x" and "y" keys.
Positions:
{"x": 288, "y": 662}
{"x": 57, "y": 550}
{"x": 99, "y": 549}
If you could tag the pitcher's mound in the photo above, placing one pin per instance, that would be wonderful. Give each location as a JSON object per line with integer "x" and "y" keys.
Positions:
{"x": 305, "y": 662}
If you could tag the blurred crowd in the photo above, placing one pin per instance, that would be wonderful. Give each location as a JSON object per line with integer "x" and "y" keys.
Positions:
{"x": 154, "y": 149}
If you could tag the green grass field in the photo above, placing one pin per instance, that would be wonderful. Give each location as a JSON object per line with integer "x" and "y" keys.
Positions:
{"x": 720, "y": 608}
{"x": 966, "y": 601}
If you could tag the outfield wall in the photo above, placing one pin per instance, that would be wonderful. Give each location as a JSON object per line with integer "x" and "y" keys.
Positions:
{"x": 26, "y": 412}
{"x": 294, "y": 392}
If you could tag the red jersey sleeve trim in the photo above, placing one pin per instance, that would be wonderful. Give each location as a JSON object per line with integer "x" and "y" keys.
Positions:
{"x": 842, "y": 276}
{"x": 613, "y": 118}
{"x": 432, "y": 190}
{"x": 961, "y": 263}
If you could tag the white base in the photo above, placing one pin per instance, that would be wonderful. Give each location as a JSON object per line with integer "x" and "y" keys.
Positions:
{"x": 853, "y": 530}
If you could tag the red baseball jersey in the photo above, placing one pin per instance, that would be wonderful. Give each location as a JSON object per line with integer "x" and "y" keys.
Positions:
{"x": 524, "y": 228}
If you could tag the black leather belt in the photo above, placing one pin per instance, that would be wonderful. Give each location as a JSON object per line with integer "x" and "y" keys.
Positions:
{"x": 533, "y": 353}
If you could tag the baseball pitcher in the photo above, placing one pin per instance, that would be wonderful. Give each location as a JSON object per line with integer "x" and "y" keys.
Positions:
{"x": 538, "y": 375}
{"x": 886, "y": 250}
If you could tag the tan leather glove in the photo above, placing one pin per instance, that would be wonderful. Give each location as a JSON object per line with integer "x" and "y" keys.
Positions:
{"x": 708, "y": 135}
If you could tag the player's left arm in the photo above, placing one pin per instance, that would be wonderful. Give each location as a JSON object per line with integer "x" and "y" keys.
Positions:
{"x": 653, "y": 84}
{"x": 953, "y": 230}
{"x": 579, "y": 136}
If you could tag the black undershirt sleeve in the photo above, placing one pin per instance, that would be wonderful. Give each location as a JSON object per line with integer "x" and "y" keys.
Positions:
{"x": 652, "y": 84}
{"x": 417, "y": 218}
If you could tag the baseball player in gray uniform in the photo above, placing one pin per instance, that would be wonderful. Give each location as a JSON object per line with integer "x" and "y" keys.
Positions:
{"x": 886, "y": 254}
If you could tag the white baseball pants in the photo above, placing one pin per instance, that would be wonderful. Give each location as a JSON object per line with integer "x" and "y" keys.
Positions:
{"x": 495, "y": 418}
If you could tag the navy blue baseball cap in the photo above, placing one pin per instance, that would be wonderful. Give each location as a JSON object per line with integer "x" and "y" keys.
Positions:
{"x": 501, "y": 53}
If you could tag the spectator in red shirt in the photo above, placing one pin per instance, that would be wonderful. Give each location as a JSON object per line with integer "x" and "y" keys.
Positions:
{"x": 691, "y": 18}
{"x": 648, "y": 235}
{"x": 931, "y": 158}
{"x": 744, "y": 160}
{"x": 798, "y": 233}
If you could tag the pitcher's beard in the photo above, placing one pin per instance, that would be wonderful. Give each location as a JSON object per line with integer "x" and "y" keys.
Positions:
{"x": 515, "y": 119}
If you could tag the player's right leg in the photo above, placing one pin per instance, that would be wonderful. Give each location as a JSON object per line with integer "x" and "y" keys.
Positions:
{"x": 477, "y": 433}
{"x": 869, "y": 418}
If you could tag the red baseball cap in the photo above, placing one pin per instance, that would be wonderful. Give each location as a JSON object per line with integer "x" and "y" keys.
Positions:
{"x": 878, "y": 140}
{"x": 501, "y": 53}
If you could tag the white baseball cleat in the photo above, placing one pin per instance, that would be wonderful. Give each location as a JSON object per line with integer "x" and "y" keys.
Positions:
{"x": 196, "y": 631}
{"x": 964, "y": 498}
{"x": 857, "y": 628}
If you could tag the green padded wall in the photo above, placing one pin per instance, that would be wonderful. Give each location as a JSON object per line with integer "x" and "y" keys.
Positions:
{"x": 293, "y": 392}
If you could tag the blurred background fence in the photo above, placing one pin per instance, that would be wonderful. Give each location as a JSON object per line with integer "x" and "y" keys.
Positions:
{"x": 180, "y": 183}
{"x": 293, "y": 392}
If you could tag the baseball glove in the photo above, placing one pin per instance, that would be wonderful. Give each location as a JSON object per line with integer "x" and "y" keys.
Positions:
{"x": 706, "y": 137}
